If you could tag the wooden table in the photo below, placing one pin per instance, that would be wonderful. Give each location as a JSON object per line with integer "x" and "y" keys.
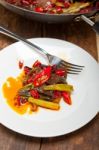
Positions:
{"x": 86, "y": 138}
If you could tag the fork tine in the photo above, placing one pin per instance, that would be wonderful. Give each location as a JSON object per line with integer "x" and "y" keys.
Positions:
{"x": 73, "y": 70}
{"x": 69, "y": 72}
{"x": 73, "y": 65}
{"x": 70, "y": 67}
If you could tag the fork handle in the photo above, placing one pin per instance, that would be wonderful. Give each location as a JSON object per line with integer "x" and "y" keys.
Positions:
{"x": 94, "y": 25}
{"x": 13, "y": 35}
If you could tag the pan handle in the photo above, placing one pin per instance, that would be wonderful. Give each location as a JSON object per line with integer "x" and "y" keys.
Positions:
{"x": 94, "y": 25}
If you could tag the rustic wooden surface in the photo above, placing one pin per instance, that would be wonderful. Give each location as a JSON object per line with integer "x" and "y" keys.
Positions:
{"x": 97, "y": 38}
{"x": 86, "y": 138}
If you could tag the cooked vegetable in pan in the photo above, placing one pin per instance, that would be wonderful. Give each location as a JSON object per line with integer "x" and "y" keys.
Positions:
{"x": 57, "y": 6}
{"x": 38, "y": 86}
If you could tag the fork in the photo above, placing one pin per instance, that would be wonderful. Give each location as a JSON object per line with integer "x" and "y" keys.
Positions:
{"x": 53, "y": 60}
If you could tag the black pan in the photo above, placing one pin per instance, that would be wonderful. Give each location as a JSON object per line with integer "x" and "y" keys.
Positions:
{"x": 49, "y": 18}
{"x": 52, "y": 18}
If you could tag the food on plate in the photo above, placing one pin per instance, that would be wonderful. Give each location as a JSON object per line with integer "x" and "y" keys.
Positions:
{"x": 57, "y": 6}
{"x": 37, "y": 86}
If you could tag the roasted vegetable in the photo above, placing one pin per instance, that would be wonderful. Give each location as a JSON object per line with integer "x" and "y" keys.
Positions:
{"x": 66, "y": 97}
{"x": 59, "y": 87}
{"x": 56, "y": 6}
{"x": 42, "y": 86}
{"x": 43, "y": 103}
{"x": 42, "y": 77}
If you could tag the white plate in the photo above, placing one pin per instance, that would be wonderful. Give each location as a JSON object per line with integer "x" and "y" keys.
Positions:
{"x": 48, "y": 123}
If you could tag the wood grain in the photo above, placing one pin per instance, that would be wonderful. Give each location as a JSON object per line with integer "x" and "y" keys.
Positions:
{"x": 10, "y": 140}
{"x": 78, "y": 33}
{"x": 97, "y": 38}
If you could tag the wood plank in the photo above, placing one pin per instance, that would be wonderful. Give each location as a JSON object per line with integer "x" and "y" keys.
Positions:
{"x": 19, "y": 25}
{"x": 97, "y": 38}
{"x": 10, "y": 140}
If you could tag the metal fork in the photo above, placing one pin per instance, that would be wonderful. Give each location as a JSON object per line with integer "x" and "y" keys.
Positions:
{"x": 71, "y": 68}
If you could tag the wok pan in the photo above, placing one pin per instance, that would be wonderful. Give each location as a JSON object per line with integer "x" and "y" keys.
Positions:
{"x": 43, "y": 17}
{"x": 48, "y": 18}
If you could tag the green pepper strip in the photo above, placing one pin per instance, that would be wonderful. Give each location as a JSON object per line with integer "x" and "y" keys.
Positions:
{"x": 59, "y": 87}
{"x": 27, "y": 87}
{"x": 43, "y": 103}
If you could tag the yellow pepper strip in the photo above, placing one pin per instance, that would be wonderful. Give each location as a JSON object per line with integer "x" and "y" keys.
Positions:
{"x": 76, "y": 7}
{"x": 43, "y": 103}
{"x": 59, "y": 87}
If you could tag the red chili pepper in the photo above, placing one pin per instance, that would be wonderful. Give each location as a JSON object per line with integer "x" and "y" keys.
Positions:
{"x": 42, "y": 77}
{"x": 25, "y": 2}
{"x": 57, "y": 94}
{"x": 30, "y": 80}
{"x": 23, "y": 101}
{"x": 18, "y": 101}
{"x": 60, "y": 72}
{"x": 37, "y": 64}
{"x": 85, "y": 10}
{"x": 47, "y": 8}
{"x": 20, "y": 64}
{"x": 34, "y": 2}
{"x": 34, "y": 94}
{"x": 59, "y": 9}
{"x": 66, "y": 4}
{"x": 67, "y": 98}
{"x": 26, "y": 70}
{"x": 39, "y": 9}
